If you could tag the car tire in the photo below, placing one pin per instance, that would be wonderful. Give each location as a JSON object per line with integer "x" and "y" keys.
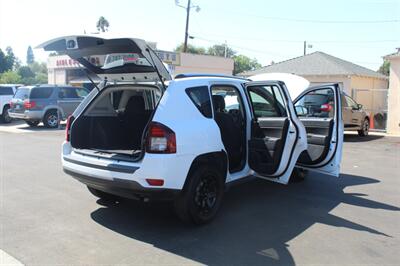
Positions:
{"x": 298, "y": 175}
{"x": 202, "y": 195}
{"x": 32, "y": 123}
{"x": 51, "y": 119}
{"x": 102, "y": 195}
{"x": 363, "y": 132}
{"x": 5, "y": 117}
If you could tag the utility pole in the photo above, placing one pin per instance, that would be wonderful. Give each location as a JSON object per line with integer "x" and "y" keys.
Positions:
{"x": 187, "y": 27}
{"x": 305, "y": 47}
{"x": 226, "y": 49}
{"x": 187, "y": 8}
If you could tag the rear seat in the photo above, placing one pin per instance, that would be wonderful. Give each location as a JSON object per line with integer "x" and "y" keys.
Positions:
{"x": 134, "y": 121}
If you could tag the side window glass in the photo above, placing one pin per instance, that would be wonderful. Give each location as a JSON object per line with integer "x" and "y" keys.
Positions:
{"x": 351, "y": 103}
{"x": 317, "y": 103}
{"x": 267, "y": 101}
{"x": 81, "y": 92}
{"x": 41, "y": 92}
{"x": 6, "y": 91}
{"x": 201, "y": 99}
{"x": 68, "y": 93}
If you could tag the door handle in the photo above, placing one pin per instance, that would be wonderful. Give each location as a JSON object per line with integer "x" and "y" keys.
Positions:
{"x": 292, "y": 132}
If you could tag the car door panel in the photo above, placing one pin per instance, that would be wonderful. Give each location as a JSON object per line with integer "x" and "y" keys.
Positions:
{"x": 277, "y": 136}
{"x": 324, "y": 135}
{"x": 266, "y": 145}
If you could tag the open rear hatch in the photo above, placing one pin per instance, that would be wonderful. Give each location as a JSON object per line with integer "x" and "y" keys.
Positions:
{"x": 124, "y": 59}
{"x": 112, "y": 123}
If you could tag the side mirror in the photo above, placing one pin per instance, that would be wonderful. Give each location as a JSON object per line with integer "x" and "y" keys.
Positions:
{"x": 360, "y": 106}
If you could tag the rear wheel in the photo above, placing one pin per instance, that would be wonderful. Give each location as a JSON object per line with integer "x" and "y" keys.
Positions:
{"x": 201, "y": 198}
{"x": 32, "y": 123}
{"x": 5, "y": 117}
{"x": 364, "y": 128}
{"x": 102, "y": 195}
{"x": 50, "y": 119}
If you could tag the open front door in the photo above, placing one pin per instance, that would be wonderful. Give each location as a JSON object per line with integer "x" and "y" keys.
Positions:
{"x": 319, "y": 109}
{"x": 277, "y": 137}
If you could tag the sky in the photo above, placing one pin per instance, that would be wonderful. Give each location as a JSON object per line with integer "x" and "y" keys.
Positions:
{"x": 360, "y": 31}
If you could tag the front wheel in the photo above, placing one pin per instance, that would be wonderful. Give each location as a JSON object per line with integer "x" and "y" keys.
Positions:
{"x": 364, "y": 128}
{"x": 51, "y": 120}
{"x": 201, "y": 197}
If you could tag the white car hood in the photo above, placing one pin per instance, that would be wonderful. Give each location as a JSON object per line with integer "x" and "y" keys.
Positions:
{"x": 295, "y": 84}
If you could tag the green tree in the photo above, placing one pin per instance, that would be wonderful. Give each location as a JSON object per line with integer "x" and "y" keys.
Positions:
{"x": 10, "y": 77}
{"x": 102, "y": 24}
{"x": 243, "y": 63}
{"x": 191, "y": 49}
{"x": 384, "y": 68}
{"x": 8, "y": 60}
{"x": 30, "y": 58}
{"x": 219, "y": 50}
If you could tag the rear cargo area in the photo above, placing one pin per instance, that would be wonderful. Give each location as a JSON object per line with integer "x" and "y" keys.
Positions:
{"x": 115, "y": 121}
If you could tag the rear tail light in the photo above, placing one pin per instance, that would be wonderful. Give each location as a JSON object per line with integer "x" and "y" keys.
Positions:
{"x": 155, "y": 182}
{"x": 160, "y": 139}
{"x": 68, "y": 128}
{"x": 326, "y": 108}
{"x": 29, "y": 104}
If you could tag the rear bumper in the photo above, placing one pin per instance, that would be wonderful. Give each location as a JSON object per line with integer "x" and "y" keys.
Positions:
{"x": 125, "y": 188}
{"x": 27, "y": 115}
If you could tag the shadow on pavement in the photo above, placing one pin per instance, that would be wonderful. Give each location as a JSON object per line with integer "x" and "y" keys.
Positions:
{"x": 356, "y": 138}
{"x": 255, "y": 222}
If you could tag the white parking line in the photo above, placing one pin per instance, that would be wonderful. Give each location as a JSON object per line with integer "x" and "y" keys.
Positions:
{"x": 8, "y": 260}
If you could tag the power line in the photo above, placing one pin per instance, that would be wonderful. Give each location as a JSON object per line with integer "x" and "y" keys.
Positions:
{"x": 297, "y": 41}
{"x": 302, "y": 20}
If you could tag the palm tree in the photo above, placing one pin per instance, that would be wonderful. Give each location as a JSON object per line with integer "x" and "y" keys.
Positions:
{"x": 102, "y": 24}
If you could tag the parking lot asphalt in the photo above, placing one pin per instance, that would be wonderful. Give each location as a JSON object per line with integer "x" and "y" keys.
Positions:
{"x": 48, "y": 218}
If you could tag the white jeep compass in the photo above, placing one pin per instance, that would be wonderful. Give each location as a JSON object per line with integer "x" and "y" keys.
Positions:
{"x": 142, "y": 135}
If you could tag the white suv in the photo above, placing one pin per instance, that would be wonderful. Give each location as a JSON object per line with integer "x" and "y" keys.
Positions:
{"x": 7, "y": 92}
{"x": 137, "y": 137}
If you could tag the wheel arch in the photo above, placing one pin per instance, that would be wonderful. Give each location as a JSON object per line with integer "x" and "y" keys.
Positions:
{"x": 217, "y": 159}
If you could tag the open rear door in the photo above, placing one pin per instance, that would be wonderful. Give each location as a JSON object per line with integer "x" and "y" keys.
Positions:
{"x": 319, "y": 109}
{"x": 122, "y": 59}
{"x": 277, "y": 137}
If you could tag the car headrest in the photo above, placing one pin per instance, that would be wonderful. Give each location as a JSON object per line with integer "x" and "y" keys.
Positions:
{"x": 219, "y": 103}
{"x": 135, "y": 104}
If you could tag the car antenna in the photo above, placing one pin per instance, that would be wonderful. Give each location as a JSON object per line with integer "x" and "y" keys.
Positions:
{"x": 155, "y": 67}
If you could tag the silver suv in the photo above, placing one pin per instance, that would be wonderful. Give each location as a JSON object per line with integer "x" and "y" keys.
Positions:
{"x": 47, "y": 103}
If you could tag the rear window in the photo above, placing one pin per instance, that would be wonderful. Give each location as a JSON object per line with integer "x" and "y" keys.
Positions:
{"x": 6, "y": 91}
{"x": 201, "y": 98}
{"x": 22, "y": 93}
{"x": 41, "y": 92}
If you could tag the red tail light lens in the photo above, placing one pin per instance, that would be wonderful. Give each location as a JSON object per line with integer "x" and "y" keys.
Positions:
{"x": 326, "y": 108}
{"x": 155, "y": 182}
{"x": 29, "y": 104}
{"x": 160, "y": 139}
{"x": 68, "y": 128}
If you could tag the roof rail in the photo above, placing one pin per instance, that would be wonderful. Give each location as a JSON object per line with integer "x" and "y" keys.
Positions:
{"x": 199, "y": 75}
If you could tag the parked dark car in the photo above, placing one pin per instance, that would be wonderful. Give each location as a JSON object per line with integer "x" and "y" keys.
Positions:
{"x": 45, "y": 103}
